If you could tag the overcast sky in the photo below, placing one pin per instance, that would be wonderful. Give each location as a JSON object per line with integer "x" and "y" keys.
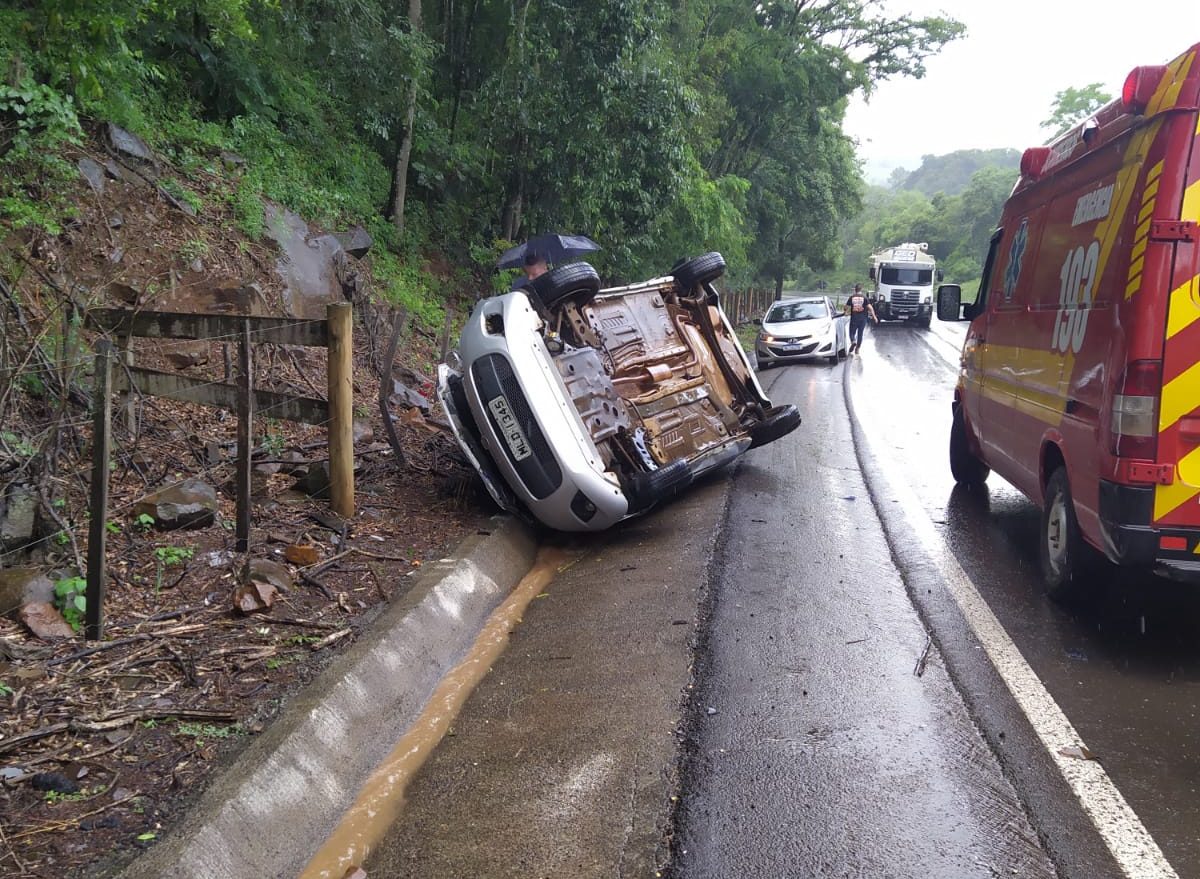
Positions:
{"x": 994, "y": 86}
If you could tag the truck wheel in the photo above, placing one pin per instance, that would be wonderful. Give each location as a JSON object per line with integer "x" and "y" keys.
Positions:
{"x": 699, "y": 270}
{"x": 575, "y": 282}
{"x": 964, "y": 465}
{"x": 924, "y": 322}
{"x": 1066, "y": 558}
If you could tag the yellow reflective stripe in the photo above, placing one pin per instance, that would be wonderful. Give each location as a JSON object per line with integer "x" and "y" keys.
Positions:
{"x": 1183, "y": 310}
{"x": 1139, "y": 248}
{"x": 1170, "y": 497}
{"x": 1180, "y": 396}
{"x": 1191, "y": 203}
{"x": 1135, "y": 267}
{"x": 1168, "y": 88}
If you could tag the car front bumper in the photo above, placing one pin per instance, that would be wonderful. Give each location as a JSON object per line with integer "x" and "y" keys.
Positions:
{"x": 527, "y": 422}
{"x": 788, "y": 352}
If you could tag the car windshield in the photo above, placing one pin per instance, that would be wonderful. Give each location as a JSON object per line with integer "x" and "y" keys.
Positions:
{"x": 789, "y": 311}
{"x": 913, "y": 277}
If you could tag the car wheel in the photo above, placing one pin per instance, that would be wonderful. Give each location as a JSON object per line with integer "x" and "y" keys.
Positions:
{"x": 700, "y": 270}
{"x": 575, "y": 282}
{"x": 779, "y": 422}
{"x": 1066, "y": 558}
{"x": 964, "y": 464}
{"x": 833, "y": 359}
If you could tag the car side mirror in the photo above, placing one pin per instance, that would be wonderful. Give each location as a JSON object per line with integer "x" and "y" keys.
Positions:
{"x": 949, "y": 302}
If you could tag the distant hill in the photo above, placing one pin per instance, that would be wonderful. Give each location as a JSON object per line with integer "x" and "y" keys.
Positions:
{"x": 951, "y": 173}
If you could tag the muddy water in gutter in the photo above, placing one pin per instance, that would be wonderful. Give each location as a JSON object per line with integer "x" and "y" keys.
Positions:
{"x": 382, "y": 796}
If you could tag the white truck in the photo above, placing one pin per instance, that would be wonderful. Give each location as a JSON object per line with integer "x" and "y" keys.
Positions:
{"x": 904, "y": 276}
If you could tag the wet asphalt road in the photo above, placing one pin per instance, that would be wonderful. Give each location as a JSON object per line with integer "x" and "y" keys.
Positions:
{"x": 817, "y": 751}
{"x": 726, "y": 687}
{"x": 1124, "y": 665}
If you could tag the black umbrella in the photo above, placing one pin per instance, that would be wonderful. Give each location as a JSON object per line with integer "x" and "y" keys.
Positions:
{"x": 553, "y": 248}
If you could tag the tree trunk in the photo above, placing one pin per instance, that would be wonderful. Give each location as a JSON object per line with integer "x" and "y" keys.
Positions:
{"x": 778, "y": 286}
{"x": 400, "y": 173}
{"x": 514, "y": 197}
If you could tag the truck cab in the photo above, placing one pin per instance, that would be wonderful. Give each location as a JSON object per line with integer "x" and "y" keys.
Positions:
{"x": 904, "y": 277}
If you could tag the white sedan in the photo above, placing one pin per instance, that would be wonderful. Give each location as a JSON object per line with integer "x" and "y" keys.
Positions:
{"x": 802, "y": 329}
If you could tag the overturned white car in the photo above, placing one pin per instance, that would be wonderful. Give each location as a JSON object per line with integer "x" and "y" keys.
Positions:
{"x": 585, "y": 406}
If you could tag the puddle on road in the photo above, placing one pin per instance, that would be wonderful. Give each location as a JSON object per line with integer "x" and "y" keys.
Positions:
{"x": 382, "y": 796}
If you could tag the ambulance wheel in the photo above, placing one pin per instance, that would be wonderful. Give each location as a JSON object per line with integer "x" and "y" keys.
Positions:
{"x": 1066, "y": 557}
{"x": 964, "y": 465}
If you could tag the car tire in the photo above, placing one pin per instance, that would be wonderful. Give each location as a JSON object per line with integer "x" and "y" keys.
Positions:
{"x": 699, "y": 270}
{"x": 1066, "y": 558}
{"x": 575, "y": 282}
{"x": 966, "y": 467}
{"x": 833, "y": 359}
{"x": 779, "y": 422}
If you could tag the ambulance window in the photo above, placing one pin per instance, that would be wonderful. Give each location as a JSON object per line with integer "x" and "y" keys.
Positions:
{"x": 988, "y": 265}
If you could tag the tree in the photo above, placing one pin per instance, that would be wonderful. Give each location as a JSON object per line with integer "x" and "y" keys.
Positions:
{"x": 1071, "y": 106}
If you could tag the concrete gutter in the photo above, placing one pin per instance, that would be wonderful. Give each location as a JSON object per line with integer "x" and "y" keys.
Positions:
{"x": 272, "y": 807}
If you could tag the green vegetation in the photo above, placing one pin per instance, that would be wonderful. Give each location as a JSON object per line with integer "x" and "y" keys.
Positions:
{"x": 167, "y": 557}
{"x": 662, "y": 130}
{"x": 70, "y": 597}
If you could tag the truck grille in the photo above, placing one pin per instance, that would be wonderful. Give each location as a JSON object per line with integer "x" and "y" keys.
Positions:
{"x": 905, "y": 297}
{"x": 540, "y": 472}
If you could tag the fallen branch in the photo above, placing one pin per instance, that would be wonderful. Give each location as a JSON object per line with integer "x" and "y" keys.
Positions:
{"x": 66, "y": 825}
{"x": 329, "y": 639}
{"x": 127, "y": 717}
{"x": 919, "y": 668}
{"x": 33, "y": 735}
{"x": 121, "y": 642}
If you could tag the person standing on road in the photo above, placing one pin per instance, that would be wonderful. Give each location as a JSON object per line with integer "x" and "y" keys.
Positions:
{"x": 859, "y": 309}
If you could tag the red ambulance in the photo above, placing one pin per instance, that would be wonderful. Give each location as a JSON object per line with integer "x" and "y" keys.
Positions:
{"x": 1080, "y": 378}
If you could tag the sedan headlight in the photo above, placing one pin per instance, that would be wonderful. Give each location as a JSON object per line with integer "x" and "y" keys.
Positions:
{"x": 767, "y": 338}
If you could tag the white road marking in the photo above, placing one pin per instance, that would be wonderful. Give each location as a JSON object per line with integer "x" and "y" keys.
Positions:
{"x": 1130, "y": 843}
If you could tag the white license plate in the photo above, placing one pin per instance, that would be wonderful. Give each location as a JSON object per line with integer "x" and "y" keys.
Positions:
{"x": 509, "y": 429}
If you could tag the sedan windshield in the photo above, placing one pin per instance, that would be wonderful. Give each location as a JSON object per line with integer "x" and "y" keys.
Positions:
{"x": 789, "y": 311}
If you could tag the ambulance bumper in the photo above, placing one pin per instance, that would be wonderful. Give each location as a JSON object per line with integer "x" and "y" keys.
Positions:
{"x": 1125, "y": 515}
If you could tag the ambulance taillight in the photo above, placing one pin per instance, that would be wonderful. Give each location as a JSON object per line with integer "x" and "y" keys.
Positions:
{"x": 1140, "y": 87}
{"x": 1134, "y": 431}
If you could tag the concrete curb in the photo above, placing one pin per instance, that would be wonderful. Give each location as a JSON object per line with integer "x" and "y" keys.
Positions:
{"x": 267, "y": 813}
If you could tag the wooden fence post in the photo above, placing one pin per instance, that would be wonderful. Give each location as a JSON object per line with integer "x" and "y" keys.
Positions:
{"x": 125, "y": 345}
{"x": 245, "y": 438}
{"x": 340, "y": 316}
{"x": 98, "y": 526}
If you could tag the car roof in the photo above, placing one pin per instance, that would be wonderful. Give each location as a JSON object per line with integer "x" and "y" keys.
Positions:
{"x": 797, "y": 300}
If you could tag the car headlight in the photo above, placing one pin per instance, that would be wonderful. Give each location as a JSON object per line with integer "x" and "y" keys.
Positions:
{"x": 767, "y": 338}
